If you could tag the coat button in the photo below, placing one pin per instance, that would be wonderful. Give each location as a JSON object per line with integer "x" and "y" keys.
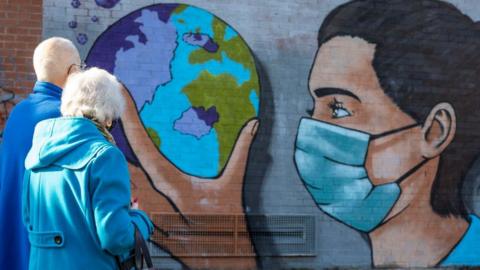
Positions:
{"x": 58, "y": 240}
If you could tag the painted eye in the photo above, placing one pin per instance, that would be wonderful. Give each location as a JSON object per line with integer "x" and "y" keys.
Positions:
{"x": 338, "y": 111}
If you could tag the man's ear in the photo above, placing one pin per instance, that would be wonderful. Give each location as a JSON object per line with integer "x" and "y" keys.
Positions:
{"x": 108, "y": 123}
{"x": 438, "y": 130}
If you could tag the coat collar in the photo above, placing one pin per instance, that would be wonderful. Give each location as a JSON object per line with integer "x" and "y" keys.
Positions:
{"x": 48, "y": 89}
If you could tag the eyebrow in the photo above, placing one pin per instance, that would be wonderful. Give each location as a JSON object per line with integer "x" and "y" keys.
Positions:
{"x": 321, "y": 92}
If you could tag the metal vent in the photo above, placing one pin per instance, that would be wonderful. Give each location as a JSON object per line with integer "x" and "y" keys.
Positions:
{"x": 283, "y": 235}
{"x": 204, "y": 235}
{"x": 227, "y": 235}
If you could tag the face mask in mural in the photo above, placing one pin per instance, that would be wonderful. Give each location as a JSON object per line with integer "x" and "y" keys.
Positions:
{"x": 331, "y": 162}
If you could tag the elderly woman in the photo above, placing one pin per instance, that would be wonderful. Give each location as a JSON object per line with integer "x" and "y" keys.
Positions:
{"x": 76, "y": 191}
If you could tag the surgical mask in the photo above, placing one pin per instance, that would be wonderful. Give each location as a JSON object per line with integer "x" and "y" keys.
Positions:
{"x": 331, "y": 162}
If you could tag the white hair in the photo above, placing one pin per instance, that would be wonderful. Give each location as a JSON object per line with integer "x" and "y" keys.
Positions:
{"x": 93, "y": 93}
{"x": 52, "y": 58}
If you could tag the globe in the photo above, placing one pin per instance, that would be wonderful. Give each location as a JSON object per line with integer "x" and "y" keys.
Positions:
{"x": 192, "y": 77}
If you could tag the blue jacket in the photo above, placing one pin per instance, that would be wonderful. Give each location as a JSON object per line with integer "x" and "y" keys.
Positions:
{"x": 42, "y": 104}
{"x": 76, "y": 198}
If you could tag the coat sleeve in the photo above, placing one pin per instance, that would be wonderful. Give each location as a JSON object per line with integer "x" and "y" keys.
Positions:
{"x": 26, "y": 199}
{"x": 111, "y": 202}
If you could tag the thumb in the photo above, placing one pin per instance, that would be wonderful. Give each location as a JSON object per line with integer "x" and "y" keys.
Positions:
{"x": 237, "y": 163}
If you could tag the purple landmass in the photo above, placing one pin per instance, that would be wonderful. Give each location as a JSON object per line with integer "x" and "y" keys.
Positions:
{"x": 211, "y": 46}
{"x": 209, "y": 116}
{"x": 143, "y": 76}
{"x": 94, "y": 19}
{"x": 104, "y": 50}
{"x": 201, "y": 40}
{"x": 107, "y": 3}
{"x": 189, "y": 123}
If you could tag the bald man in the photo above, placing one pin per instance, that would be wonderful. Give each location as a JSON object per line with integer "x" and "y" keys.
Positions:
{"x": 53, "y": 60}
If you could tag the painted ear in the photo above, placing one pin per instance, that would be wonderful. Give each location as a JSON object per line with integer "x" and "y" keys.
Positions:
{"x": 438, "y": 130}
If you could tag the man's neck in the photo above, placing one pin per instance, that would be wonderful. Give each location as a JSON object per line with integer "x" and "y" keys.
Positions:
{"x": 416, "y": 236}
{"x": 54, "y": 82}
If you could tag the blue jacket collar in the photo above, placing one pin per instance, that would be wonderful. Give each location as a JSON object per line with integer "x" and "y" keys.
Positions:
{"x": 48, "y": 89}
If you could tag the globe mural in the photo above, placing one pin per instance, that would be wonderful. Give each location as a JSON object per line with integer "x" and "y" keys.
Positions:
{"x": 192, "y": 77}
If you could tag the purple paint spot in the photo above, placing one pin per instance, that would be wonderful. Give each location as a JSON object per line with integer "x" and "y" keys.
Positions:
{"x": 107, "y": 3}
{"x": 211, "y": 46}
{"x": 72, "y": 24}
{"x": 189, "y": 123}
{"x": 94, "y": 19}
{"x": 201, "y": 40}
{"x": 75, "y": 3}
{"x": 209, "y": 116}
{"x": 82, "y": 38}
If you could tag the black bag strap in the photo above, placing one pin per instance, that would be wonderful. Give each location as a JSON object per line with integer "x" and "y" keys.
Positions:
{"x": 141, "y": 250}
{"x": 140, "y": 253}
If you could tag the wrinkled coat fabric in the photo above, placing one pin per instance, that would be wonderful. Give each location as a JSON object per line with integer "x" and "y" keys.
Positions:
{"x": 76, "y": 198}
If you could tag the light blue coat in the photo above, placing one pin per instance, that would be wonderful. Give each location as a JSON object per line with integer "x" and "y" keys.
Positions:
{"x": 76, "y": 198}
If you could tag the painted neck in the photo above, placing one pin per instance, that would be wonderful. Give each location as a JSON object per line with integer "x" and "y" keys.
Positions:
{"x": 413, "y": 235}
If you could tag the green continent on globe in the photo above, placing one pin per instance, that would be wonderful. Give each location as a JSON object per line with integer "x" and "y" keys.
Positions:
{"x": 226, "y": 95}
{"x": 154, "y": 136}
{"x": 179, "y": 9}
{"x": 208, "y": 89}
{"x": 235, "y": 48}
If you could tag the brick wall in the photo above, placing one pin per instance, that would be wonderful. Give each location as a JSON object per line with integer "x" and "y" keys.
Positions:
{"x": 20, "y": 32}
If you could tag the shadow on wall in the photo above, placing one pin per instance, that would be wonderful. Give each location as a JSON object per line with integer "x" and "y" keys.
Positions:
{"x": 259, "y": 163}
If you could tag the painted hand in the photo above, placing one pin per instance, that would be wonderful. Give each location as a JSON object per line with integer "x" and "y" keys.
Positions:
{"x": 185, "y": 190}
{"x": 190, "y": 195}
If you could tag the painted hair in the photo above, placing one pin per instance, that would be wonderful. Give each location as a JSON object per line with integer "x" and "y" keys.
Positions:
{"x": 427, "y": 52}
{"x": 93, "y": 93}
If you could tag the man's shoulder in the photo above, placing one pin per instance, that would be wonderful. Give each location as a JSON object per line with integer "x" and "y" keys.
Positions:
{"x": 29, "y": 108}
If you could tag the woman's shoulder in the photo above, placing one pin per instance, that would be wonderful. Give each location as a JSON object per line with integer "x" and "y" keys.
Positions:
{"x": 91, "y": 153}
{"x": 104, "y": 149}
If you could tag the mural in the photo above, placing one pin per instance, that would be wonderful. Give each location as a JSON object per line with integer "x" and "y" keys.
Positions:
{"x": 80, "y": 36}
{"x": 383, "y": 168}
{"x": 187, "y": 104}
{"x": 414, "y": 62}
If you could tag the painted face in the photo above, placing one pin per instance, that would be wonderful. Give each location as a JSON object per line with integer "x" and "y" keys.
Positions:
{"x": 347, "y": 93}
{"x": 359, "y": 147}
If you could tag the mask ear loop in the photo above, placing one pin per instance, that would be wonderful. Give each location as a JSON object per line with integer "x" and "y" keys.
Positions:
{"x": 390, "y": 132}
{"x": 412, "y": 170}
{"x": 416, "y": 167}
